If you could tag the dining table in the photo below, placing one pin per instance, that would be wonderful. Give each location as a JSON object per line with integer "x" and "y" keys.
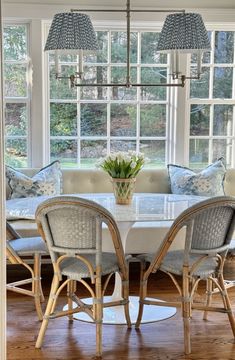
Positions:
{"x": 145, "y": 207}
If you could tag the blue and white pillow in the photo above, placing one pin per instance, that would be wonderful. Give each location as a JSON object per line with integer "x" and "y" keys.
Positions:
{"x": 48, "y": 181}
{"x": 208, "y": 182}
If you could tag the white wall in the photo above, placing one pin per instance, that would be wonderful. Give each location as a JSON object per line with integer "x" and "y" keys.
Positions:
{"x": 212, "y": 11}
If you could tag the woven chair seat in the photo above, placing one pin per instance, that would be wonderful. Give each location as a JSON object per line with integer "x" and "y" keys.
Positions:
{"x": 76, "y": 269}
{"x": 29, "y": 246}
{"x": 173, "y": 263}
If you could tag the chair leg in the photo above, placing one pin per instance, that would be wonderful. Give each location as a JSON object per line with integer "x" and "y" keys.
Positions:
{"x": 42, "y": 298}
{"x": 142, "y": 296}
{"x": 208, "y": 296}
{"x": 125, "y": 287}
{"x": 186, "y": 313}
{"x": 125, "y": 296}
{"x": 36, "y": 285}
{"x": 227, "y": 303}
{"x": 51, "y": 300}
{"x": 70, "y": 289}
{"x": 98, "y": 316}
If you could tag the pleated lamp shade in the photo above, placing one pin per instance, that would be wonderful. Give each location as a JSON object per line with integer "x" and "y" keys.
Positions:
{"x": 184, "y": 32}
{"x": 71, "y": 31}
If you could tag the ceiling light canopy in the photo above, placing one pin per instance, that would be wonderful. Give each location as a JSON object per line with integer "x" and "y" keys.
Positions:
{"x": 181, "y": 33}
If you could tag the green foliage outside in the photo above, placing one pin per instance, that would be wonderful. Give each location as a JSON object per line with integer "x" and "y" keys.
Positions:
{"x": 70, "y": 119}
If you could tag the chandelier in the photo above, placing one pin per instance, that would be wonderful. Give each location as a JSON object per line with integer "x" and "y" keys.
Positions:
{"x": 182, "y": 32}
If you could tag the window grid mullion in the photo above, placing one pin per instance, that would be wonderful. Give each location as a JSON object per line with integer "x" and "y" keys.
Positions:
{"x": 212, "y": 64}
{"x": 211, "y": 133}
{"x": 138, "y": 92}
{"x": 212, "y": 102}
{"x": 26, "y": 99}
{"x": 138, "y": 102}
{"x": 109, "y": 94}
{"x": 233, "y": 94}
{"x": 78, "y": 130}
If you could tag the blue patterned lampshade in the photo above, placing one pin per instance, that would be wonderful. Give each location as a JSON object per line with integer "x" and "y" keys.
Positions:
{"x": 184, "y": 32}
{"x": 71, "y": 31}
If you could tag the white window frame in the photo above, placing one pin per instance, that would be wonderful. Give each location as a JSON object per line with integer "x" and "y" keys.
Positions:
{"x": 28, "y": 99}
{"x": 210, "y": 100}
{"x": 170, "y": 137}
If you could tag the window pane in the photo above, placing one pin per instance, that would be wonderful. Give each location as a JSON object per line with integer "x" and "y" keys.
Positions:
{"x": 223, "y": 120}
{"x": 149, "y": 53}
{"x": 65, "y": 151}
{"x": 91, "y": 151}
{"x": 15, "y": 42}
{"x": 60, "y": 88}
{"x": 214, "y": 118}
{"x": 222, "y": 148}
{"x": 107, "y": 116}
{"x": 100, "y": 56}
{"x": 16, "y": 152}
{"x": 206, "y": 55}
{"x": 224, "y": 45}
{"x": 15, "y": 80}
{"x": 16, "y": 85}
{"x": 153, "y": 75}
{"x": 93, "y": 119}
{"x": 122, "y": 145}
{"x": 198, "y": 153}
{"x": 16, "y": 121}
{"x": 200, "y": 88}
{"x": 223, "y": 80}
{"x": 94, "y": 74}
{"x": 119, "y": 47}
{"x": 118, "y": 75}
{"x": 155, "y": 151}
{"x": 70, "y": 58}
{"x": 152, "y": 120}
{"x": 63, "y": 119}
{"x": 123, "y": 120}
{"x": 200, "y": 119}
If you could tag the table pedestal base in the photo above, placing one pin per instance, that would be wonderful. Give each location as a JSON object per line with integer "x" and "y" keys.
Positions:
{"x": 115, "y": 315}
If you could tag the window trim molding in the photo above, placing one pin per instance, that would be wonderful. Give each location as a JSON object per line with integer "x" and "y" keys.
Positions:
{"x": 25, "y": 99}
{"x": 170, "y": 130}
{"x": 210, "y": 101}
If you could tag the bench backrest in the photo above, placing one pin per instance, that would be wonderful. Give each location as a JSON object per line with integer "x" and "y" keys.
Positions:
{"x": 97, "y": 181}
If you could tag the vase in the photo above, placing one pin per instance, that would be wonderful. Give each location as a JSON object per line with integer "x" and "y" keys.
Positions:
{"x": 123, "y": 190}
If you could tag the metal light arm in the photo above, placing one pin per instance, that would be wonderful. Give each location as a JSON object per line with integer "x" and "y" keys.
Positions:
{"x": 176, "y": 75}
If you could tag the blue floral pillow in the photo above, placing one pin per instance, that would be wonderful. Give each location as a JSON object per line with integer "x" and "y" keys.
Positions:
{"x": 46, "y": 182}
{"x": 208, "y": 182}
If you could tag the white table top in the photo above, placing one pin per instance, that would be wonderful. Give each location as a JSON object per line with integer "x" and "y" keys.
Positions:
{"x": 144, "y": 206}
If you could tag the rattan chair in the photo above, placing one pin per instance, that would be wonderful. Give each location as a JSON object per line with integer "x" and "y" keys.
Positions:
{"x": 209, "y": 227}
{"x": 17, "y": 248}
{"x": 72, "y": 229}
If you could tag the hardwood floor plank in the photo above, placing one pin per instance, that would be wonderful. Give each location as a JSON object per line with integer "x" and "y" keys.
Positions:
{"x": 212, "y": 339}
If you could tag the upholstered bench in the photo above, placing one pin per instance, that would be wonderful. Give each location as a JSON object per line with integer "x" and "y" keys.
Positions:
{"x": 97, "y": 181}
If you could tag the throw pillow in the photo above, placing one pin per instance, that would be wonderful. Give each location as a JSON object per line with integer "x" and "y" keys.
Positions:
{"x": 46, "y": 182}
{"x": 208, "y": 182}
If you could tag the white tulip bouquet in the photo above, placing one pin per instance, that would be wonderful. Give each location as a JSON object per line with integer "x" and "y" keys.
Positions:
{"x": 122, "y": 165}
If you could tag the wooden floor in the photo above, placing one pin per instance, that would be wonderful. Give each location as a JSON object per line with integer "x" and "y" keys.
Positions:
{"x": 162, "y": 340}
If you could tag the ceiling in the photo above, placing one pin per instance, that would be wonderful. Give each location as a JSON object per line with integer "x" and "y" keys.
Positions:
{"x": 209, "y": 4}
